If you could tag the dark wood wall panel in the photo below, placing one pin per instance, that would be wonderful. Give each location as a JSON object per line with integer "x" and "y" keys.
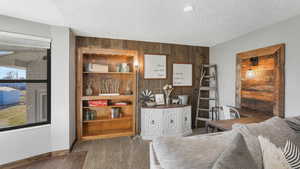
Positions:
{"x": 176, "y": 54}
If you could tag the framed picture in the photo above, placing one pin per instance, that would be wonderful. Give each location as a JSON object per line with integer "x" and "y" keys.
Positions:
{"x": 160, "y": 99}
{"x": 155, "y": 66}
{"x": 182, "y": 74}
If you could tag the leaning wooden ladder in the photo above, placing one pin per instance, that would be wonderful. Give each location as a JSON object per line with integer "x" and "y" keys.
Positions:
{"x": 208, "y": 74}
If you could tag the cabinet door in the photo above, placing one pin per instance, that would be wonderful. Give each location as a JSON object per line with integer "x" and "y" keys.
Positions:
{"x": 152, "y": 123}
{"x": 187, "y": 118}
{"x": 171, "y": 122}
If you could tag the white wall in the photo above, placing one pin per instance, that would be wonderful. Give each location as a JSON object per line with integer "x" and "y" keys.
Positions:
{"x": 60, "y": 88}
{"x": 23, "y": 143}
{"x": 285, "y": 32}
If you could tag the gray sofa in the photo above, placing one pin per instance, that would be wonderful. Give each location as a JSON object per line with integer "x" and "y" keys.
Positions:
{"x": 202, "y": 151}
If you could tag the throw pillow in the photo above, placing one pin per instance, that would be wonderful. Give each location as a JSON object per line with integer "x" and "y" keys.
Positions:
{"x": 236, "y": 156}
{"x": 292, "y": 154}
{"x": 273, "y": 157}
{"x": 252, "y": 144}
{"x": 294, "y": 123}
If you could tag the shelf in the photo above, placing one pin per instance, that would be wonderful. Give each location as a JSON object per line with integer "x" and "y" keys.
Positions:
{"x": 112, "y": 73}
{"x": 110, "y": 106}
{"x": 107, "y": 97}
{"x": 107, "y": 134}
{"x": 106, "y": 119}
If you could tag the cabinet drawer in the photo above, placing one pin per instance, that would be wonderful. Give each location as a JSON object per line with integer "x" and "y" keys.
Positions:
{"x": 152, "y": 122}
{"x": 171, "y": 122}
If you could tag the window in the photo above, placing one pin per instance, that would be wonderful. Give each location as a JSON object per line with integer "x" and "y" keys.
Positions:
{"x": 24, "y": 86}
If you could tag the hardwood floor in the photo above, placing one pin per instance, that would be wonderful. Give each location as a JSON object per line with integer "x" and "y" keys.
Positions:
{"x": 117, "y": 153}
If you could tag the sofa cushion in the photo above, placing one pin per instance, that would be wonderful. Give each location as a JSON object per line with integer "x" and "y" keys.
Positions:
{"x": 191, "y": 152}
{"x": 236, "y": 156}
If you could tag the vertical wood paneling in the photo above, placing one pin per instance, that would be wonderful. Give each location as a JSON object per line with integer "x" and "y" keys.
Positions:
{"x": 176, "y": 54}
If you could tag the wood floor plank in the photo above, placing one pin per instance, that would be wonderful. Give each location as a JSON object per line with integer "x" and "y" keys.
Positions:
{"x": 116, "y": 153}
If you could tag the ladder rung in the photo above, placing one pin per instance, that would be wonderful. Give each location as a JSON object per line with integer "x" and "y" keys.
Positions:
{"x": 208, "y": 76}
{"x": 205, "y": 98}
{"x": 207, "y": 88}
{"x": 209, "y": 65}
{"x": 204, "y": 109}
{"x": 202, "y": 119}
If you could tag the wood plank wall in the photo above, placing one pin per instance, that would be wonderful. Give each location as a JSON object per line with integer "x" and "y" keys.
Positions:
{"x": 257, "y": 93}
{"x": 264, "y": 92}
{"x": 176, "y": 54}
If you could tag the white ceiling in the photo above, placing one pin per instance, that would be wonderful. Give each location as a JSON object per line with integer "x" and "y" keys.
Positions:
{"x": 211, "y": 22}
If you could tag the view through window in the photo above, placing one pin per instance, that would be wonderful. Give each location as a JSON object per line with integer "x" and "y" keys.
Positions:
{"x": 24, "y": 85}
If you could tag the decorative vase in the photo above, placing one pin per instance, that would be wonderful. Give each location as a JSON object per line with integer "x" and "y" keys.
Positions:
{"x": 89, "y": 90}
{"x": 167, "y": 100}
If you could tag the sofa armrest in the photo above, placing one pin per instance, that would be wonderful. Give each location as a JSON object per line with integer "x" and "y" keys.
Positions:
{"x": 154, "y": 163}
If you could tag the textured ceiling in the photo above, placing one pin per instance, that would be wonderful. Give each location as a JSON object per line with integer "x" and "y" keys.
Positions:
{"x": 211, "y": 22}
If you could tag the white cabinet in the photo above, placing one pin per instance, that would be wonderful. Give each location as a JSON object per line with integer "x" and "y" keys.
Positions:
{"x": 169, "y": 120}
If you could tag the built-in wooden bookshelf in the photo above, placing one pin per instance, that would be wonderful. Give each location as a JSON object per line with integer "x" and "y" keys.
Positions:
{"x": 103, "y": 125}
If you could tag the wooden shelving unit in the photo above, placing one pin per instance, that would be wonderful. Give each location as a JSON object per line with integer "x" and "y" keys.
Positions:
{"x": 103, "y": 126}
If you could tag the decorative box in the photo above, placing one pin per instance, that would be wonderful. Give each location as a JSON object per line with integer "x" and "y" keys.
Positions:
{"x": 94, "y": 67}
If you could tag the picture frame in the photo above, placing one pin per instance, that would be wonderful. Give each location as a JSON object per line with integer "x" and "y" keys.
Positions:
{"x": 160, "y": 99}
{"x": 182, "y": 74}
{"x": 155, "y": 66}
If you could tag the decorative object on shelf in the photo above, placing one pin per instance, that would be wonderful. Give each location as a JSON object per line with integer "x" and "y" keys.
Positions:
{"x": 175, "y": 100}
{"x": 159, "y": 99}
{"x": 150, "y": 104}
{"x": 109, "y": 87}
{"x": 115, "y": 112}
{"x": 125, "y": 67}
{"x": 95, "y": 67}
{"x": 168, "y": 90}
{"x": 89, "y": 89}
{"x": 183, "y": 99}
{"x": 147, "y": 96}
{"x": 118, "y": 67}
{"x": 128, "y": 90}
{"x": 182, "y": 75}
{"x": 155, "y": 66}
{"x": 95, "y": 103}
{"x": 122, "y": 67}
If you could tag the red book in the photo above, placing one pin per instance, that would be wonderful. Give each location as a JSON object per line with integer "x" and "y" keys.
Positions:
{"x": 97, "y": 103}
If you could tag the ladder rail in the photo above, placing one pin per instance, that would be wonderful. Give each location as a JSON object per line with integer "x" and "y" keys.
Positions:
{"x": 202, "y": 74}
{"x": 212, "y": 76}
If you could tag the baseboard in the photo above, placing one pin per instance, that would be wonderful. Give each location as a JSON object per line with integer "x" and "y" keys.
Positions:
{"x": 30, "y": 160}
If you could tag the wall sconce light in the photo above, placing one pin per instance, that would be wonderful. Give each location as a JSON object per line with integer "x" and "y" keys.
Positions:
{"x": 250, "y": 72}
{"x": 136, "y": 63}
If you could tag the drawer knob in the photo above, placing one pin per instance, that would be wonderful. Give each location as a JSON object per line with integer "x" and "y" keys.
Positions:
{"x": 152, "y": 122}
{"x": 185, "y": 119}
{"x": 171, "y": 121}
